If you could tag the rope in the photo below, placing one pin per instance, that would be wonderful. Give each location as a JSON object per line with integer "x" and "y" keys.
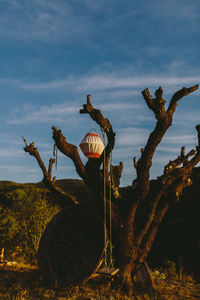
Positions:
{"x": 108, "y": 247}
{"x": 55, "y": 154}
{"x": 104, "y": 195}
{"x": 110, "y": 217}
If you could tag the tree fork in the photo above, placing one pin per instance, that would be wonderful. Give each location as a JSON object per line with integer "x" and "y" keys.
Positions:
{"x": 137, "y": 216}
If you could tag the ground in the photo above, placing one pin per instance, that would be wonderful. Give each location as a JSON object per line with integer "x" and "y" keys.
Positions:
{"x": 24, "y": 282}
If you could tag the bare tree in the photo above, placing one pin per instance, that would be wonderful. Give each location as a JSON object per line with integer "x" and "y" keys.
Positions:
{"x": 136, "y": 213}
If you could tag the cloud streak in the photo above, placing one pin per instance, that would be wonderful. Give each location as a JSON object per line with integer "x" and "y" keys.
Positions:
{"x": 30, "y": 114}
{"x": 109, "y": 81}
{"x": 63, "y": 113}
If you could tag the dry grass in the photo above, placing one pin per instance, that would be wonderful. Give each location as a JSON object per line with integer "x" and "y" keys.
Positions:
{"x": 24, "y": 282}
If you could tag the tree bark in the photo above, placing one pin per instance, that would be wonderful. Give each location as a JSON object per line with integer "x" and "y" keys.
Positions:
{"x": 136, "y": 212}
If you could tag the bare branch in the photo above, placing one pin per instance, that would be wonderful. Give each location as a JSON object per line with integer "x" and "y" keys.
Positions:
{"x": 71, "y": 151}
{"x": 157, "y": 105}
{"x": 33, "y": 151}
{"x": 88, "y": 99}
{"x": 164, "y": 118}
{"x": 169, "y": 198}
{"x": 148, "y": 98}
{"x": 51, "y": 162}
{"x": 168, "y": 195}
{"x": 198, "y": 132}
{"x": 135, "y": 162}
{"x": 116, "y": 172}
{"x": 174, "y": 177}
{"x": 181, "y": 159}
{"x": 179, "y": 95}
{"x": 104, "y": 124}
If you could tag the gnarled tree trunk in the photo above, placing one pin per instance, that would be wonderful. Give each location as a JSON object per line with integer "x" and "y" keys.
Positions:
{"x": 136, "y": 212}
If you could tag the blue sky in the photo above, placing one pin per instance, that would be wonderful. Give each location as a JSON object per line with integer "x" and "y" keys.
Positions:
{"x": 54, "y": 53}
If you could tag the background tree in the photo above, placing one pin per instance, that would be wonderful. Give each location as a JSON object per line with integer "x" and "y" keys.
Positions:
{"x": 136, "y": 212}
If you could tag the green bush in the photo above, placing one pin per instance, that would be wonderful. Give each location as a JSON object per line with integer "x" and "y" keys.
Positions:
{"x": 167, "y": 271}
{"x": 24, "y": 221}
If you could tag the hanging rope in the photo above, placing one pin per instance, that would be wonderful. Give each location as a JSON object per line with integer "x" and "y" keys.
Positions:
{"x": 55, "y": 154}
{"x": 110, "y": 217}
{"x": 104, "y": 196}
{"x": 107, "y": 242}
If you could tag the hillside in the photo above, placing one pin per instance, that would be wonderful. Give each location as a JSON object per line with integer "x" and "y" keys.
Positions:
{"x": 73, "y": 186}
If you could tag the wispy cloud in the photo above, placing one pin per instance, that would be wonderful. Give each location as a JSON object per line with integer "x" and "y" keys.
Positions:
{"x": 41, "y": 20}
{"x": 104, "y": 82}
{"x": 107, "y": 85}
{"x": 28, "y": 114}
{"x": 132, "y": 137}
{"x": 180, "y": 139}
{"x": 64, "y": 112}
{"x": 10, "y": 153}
{"x": 17, "y": 169}
{"x": 176, "y": 11}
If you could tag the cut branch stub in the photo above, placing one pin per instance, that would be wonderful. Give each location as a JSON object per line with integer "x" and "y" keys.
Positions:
{"x": 159, "y": 102}
{"x": 148, "y": 98}
{"x": 157, "y": 105}
{"x": 135, "y": 162}
{"x": 181, "y": 159}
{"x": 116, "y": 172}
{"x": 88, "y": 99}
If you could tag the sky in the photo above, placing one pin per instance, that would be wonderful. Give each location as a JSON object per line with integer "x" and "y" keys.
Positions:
{"x": 54, "y": 53}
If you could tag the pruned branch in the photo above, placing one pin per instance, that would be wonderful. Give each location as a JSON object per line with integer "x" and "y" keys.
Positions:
{"x": 181, "y": 159}
{"x": 179, "y": 95}
{"x": 51, "y": 162}
{"x": 169, "y": 198}
{"x": 157, "y": 105}
{"x": 116, "y": 172}
{"x": 172, "y": 183}
{"x": 93, "y": 166}
{"x": 173, "y": 175}
{"x": 104, "y": 124}
{"x": 198, "y": 134}
{"x": 71, "y": 151}
{"x": 135, "y": 162}
{"x": 33, "y": 151}
{"x": 164, "y": 120}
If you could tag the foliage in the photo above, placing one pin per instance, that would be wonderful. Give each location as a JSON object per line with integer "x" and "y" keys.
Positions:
{"x": 166, "y": 272}
{"x": 23, "y": 222}
{"x": 157, "y": 275}
{"x": 169, "y": 269}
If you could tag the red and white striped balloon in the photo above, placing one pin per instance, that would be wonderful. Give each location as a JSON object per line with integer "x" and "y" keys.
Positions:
{"x": 92, "y": 145}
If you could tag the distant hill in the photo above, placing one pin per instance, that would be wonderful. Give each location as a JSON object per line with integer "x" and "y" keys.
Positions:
{"x": 73, "y": 186}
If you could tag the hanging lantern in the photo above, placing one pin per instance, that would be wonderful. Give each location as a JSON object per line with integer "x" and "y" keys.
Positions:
{"x": 92, "y": 146}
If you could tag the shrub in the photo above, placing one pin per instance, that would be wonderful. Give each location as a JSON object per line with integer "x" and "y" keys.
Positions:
{"x": 22, "y": 224}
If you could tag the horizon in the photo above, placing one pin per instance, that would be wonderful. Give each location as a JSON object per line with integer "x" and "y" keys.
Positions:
{"x": 55, "y": 53}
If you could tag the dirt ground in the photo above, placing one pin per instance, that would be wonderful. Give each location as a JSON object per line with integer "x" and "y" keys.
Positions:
{"x": 24, "y": 282}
